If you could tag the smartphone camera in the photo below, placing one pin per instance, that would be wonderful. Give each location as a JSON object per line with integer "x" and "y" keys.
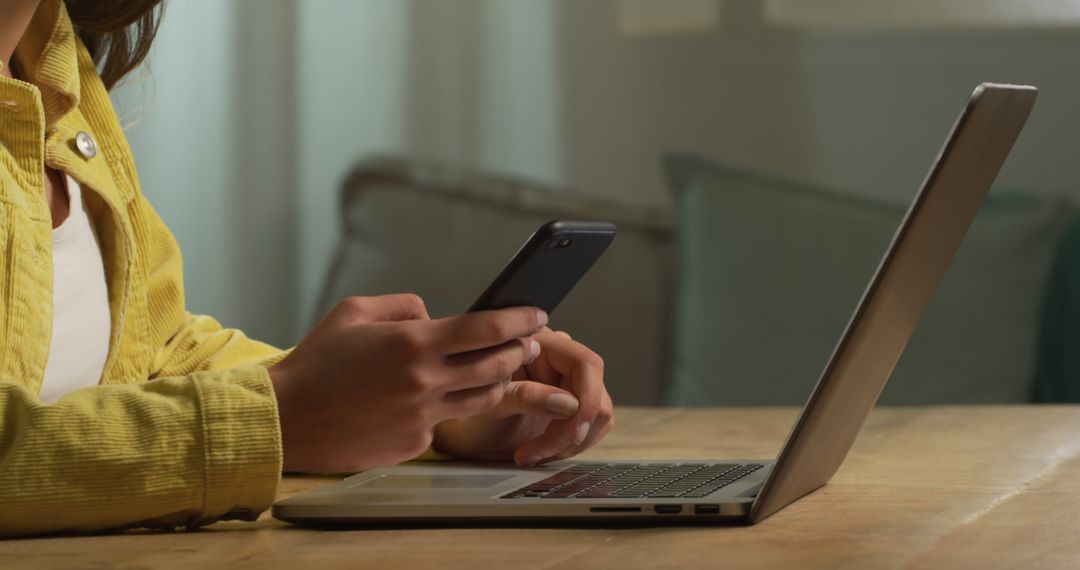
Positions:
{"x": 556, "y": 243}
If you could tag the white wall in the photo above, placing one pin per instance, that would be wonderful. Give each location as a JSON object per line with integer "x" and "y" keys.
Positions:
{"x": 863, "y": 112}
{"x": 519, "y": 89}
{"x": 352, "y": 101}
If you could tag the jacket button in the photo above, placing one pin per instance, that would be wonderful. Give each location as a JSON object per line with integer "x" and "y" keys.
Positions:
{"x": 86, "y": 144}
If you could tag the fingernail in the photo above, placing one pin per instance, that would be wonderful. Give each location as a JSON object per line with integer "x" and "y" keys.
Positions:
{"x": 534, "y": 350}
{"x": 564, "y": 404}
{"x": 531, "y": 461}
{"x": 582, "y": 433}
{"x": 541, "y": 318}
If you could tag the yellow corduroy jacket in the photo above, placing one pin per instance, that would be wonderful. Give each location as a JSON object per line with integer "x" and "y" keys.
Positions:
{"x": 183, "y": 428}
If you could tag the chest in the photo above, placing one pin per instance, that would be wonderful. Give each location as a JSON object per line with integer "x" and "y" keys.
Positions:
{"x": 27, "y": 270}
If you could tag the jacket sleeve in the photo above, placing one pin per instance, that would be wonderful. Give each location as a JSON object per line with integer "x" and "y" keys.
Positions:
{"x": 194, "y": 441}
{"x": 177, "y": 451}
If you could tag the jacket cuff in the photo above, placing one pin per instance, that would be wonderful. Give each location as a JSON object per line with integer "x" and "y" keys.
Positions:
{"x": 275, "y": 358}
{"x": 241, "y": 443}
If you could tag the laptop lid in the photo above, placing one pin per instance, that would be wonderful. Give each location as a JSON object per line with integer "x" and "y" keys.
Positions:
{"x": 898, "y": 294}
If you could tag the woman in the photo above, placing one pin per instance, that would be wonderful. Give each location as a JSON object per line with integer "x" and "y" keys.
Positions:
{"x": 118, "y": 408}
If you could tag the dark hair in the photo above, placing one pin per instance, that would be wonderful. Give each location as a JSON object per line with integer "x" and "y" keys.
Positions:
{"x": 118, "y": 33}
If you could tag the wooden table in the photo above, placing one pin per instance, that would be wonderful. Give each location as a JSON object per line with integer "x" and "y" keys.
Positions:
{"x": 946, "y": 487}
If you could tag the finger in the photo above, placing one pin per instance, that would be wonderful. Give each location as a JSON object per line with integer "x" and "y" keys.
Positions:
{"x": 473, "y": 401}
{"x": 541, "y": 370}
{"x": 400, "y": 307}
{"x": 605, "y": 422}
{"x": 487, "y": 366}
{"x": 525, "y": 397}
{"x": 484, "y": 329}
{"x": 538, "y": 451}
{"x": 582, "y": 371}
{"x": 574, "y": 450}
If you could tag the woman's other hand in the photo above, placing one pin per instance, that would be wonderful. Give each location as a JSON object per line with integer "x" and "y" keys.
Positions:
{"x": 556, "y": 407}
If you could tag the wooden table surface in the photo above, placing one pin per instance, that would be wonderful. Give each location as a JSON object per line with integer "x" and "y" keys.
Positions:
{"x": 941, "y": 487}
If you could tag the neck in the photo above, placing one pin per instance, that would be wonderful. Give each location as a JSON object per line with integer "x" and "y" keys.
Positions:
{"x": 17, "y": 16}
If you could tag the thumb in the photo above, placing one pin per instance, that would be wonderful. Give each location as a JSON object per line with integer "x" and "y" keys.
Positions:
{"x": 537, "y": 399}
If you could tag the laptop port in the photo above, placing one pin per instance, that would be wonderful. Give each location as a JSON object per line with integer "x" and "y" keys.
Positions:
{"x": 706, "y": 509}
{"x": 667, "y": 509}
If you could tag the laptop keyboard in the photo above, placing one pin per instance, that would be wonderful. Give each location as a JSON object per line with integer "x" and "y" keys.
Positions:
{"x": 635, "y": 481}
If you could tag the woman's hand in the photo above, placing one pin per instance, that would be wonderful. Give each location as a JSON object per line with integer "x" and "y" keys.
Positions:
{"x": 369, "y": 383}
{"x": 555, "y": 408}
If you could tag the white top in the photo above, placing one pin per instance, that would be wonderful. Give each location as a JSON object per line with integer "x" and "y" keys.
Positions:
{"x": 81, "y": 320}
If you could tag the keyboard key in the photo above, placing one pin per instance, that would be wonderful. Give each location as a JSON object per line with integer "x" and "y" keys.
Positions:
{"x": 562, "y": 493}
{"x": 666, "y": 494}
{"x": 559, "y": 479}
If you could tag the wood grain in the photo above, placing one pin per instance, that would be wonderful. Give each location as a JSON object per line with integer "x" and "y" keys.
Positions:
{"x": 940, "y": 487}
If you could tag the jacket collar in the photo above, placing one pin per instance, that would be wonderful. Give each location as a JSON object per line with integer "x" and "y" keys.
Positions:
{"x": 46, "y": 56}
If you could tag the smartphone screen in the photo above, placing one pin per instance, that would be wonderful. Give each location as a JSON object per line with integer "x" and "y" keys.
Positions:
{"x": 548, "y": 266}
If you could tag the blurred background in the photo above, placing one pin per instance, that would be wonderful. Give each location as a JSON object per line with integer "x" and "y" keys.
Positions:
{"x": 756, "y": 154}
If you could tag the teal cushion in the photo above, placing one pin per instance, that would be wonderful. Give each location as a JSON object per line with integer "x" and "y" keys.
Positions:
{"x": 770, "y": 272}
{"x": 1057, "y": 377}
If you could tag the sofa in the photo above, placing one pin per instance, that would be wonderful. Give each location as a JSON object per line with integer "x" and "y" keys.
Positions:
{"x": 737, "y": 294}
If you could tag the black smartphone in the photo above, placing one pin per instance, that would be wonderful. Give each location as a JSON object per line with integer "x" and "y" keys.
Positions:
{"x": 548, "y": 266}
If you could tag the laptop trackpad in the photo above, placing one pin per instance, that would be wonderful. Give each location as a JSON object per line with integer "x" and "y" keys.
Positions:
{"x": 477, "y": 481}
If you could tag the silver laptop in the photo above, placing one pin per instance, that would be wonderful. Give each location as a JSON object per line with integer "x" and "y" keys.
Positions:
{"x": 647, "y": 491}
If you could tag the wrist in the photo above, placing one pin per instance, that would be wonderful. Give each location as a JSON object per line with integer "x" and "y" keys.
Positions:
{"x": 279, "y": 382}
